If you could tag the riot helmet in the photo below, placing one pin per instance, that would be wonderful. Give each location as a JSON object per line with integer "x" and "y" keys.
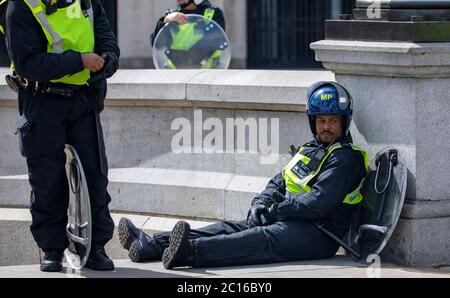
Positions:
{"x": 329, "y": 98}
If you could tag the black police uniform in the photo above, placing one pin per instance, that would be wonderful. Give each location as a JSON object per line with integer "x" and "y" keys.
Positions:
{"x": 292, "y": 236}
{"x": 49, "y": 121}
{"x": 218, "y": 18}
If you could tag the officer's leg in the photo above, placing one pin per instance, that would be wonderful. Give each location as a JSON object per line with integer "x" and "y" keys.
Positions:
{"x": 215, "y": 229}
{"x": 43, "y": 139}
{"x": 143, "y": 247}
{"x": 83, "y": 137}
{"x": 280, "y": 242}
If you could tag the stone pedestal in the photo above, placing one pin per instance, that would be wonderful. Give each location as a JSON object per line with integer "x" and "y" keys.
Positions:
{"x": 401, "y": 99}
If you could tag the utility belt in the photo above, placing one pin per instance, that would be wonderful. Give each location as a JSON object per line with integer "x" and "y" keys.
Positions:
{"x": 16, "y": 83}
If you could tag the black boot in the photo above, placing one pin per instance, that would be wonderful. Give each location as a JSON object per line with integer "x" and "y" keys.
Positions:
{"x": 142, "y": 247}
{"x": 145, "y": 249}
{"x": 98, "y": 260}
{"x": 52, "y": 261}
{"x": 180, "y": 252}
{"x": 127, "y": 232}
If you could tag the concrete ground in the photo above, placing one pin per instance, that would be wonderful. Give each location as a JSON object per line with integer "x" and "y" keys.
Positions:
{"x": 338, "y": 267}
{"x": 14, "y": 224}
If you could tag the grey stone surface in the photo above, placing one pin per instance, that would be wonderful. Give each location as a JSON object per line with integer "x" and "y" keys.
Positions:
{"x": 14, "y": 191}
{"x": 414, "y": 209}
{"x": 420, "y": 242}
{"x": 194, "y": 194}
{"x": 16, "y": 242}
{"x": 396, "y": 59}
{"x": 150, "y": 84}
{"x": 337, "y": 267}
{"x": 18, "y": 247}
{"x": 279, "y": 87}
{"x": 11, "y": 162}
{"x": 432, "y": 130}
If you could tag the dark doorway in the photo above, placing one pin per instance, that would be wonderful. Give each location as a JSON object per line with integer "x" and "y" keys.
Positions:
{"x": 110, "y": 10}
{"x": 280, "y": 31}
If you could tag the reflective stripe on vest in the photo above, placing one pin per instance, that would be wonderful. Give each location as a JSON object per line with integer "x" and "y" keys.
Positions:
{"x": 209, "y": 13}
{"x": 67, "y": 29}
{"x": 295, "y": 186}
{"x": 1, "y": 27}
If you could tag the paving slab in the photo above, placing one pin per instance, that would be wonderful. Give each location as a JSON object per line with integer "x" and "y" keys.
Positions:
{"x": 337, "y": 267}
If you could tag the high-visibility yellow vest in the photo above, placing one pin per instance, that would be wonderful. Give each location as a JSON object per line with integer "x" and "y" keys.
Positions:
{"x": 296, "y": 185}
{"x": 69, "y": 28}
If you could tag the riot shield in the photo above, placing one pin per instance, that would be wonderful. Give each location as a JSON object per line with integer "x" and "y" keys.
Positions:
{"x": 384, "y": 194}
{"x": 199, "y": 44}
{"x": 79, "y": 226}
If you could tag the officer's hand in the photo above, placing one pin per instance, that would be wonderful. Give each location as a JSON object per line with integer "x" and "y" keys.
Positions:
{"x": 92, "y": 61}
{"x": 270, "y": 217}
{"x": 254, "y": 216}
{"x": 111, "y": 64}
{"x": 178, "y": 17}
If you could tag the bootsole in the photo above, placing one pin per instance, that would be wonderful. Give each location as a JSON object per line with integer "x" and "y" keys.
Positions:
{"x": 178, "y": 236}
{"x": 125, "y": 236}
{"x": 133, "y": 253}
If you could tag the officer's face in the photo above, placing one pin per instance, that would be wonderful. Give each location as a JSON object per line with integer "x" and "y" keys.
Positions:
{"x": 182, "y": 1}
{"x": 329, "y": 128}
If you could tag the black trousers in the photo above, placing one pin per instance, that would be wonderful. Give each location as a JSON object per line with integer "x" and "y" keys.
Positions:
{"x": 48, "y": 122}
{"x": 234, "y": 243}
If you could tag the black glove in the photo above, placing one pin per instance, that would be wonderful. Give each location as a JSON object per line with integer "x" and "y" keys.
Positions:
{"x": 109, "y": 68}
{"x": 254, "y": 216}
{"x": 270, "y": 217}
{"x": 111, "y": 64}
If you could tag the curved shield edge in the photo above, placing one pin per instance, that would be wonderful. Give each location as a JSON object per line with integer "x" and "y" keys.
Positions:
{"x": 79, "y": 226}
{"x": 199, "y": 44}
{"x": 374, "y": 223}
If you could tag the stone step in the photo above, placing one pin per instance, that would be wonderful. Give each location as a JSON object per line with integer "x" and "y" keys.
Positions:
{"x": 196, "y": 194}
{"x": 17, "y": 246}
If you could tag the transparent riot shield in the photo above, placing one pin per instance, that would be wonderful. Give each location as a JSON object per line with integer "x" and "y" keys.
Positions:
{"x": 79, "y": 226}
{"x": 199, "y": 44}
{"x": 384, "y": 194}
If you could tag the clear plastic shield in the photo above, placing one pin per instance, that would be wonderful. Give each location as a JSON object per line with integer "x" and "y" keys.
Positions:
{"x": 79, "y": 226}
{"x": 384, "y": 194}
{"x": 199, "y": 44}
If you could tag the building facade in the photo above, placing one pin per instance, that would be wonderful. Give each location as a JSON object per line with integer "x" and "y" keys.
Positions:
{"x": 264, "y": 34}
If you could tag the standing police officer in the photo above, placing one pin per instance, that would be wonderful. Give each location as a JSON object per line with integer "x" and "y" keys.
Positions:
{"x": 319, "y": 186}
{"x": 62, "y": 53}
{"x": 185, "y": 7}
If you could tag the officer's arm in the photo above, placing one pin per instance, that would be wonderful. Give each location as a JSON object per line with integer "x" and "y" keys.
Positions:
{"x": 158, "y": 28}
{"x": 219, "y": 18}
{"x": 340, "y": 176}
{"x": 267, "y": 197}
{"x": 105, "y": 40}
{"x": 27, "y": 50}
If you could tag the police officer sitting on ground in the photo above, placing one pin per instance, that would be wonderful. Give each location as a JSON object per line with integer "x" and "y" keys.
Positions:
{"x": 319, "y": 186}
{"x": 200, "y": 7}
{"x": 57, "y": 47}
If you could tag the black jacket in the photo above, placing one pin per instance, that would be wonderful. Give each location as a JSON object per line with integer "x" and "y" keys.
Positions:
{"x": 27, "y": 44}
{"x": 218, "y": 18}
{"x": 340, "y": 175}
